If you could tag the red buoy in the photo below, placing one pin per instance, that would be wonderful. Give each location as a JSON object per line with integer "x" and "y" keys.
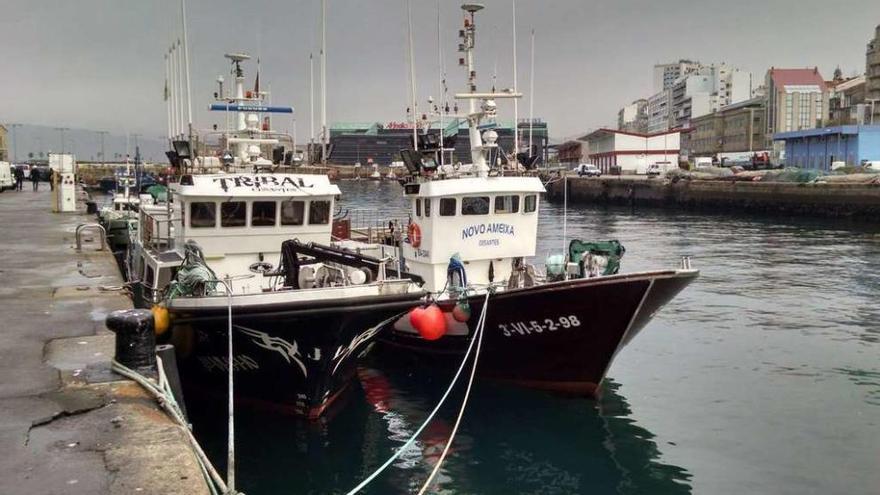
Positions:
{"x": 430, "y": 322}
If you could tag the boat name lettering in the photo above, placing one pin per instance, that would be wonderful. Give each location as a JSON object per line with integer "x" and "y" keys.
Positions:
{"x": 531, "y": 327}
{"x": 241, "y": 362}
{"x": 261, "y": 182}
{"x": 487, "y": 228}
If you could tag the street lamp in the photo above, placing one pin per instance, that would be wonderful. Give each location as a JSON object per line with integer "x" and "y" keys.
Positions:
{"x": 14, "y": 149}
{"x": 103, "y": 156}
{"x": 61, "y": 130}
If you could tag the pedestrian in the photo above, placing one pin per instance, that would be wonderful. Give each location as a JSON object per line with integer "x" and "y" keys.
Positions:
{"x": 51, "y": 179}
{"x": 35, "y": 179}
{"x": 19, "y": 178}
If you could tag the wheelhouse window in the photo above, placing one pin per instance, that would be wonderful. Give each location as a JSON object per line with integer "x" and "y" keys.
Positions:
{"x": 293, "y": 212}
{"x": 263, "y": 214}
{"x": 202, "y": 215}
{"x": 506, "y": 204}
{"x": 475, "y": 205}
{"x": 319, "y": 213}
{"x": 233, "y": 214}
{"x": 418, "y": 207}
{"x": 427, "y": 207}
{"x": 531, "y": 203}
{"x": 447, "y": 207}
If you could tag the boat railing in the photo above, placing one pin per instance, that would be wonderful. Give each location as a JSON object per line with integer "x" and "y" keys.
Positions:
{"x": 156, "y": 231}
{"x": 371, "y": 226}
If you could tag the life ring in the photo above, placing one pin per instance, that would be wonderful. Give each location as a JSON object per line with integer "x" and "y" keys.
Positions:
{"x": 415, "y": 235}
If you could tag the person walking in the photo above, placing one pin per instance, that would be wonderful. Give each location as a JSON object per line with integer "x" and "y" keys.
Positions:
{"x": 19, "y": 178}
{"x": 35, "y": 179}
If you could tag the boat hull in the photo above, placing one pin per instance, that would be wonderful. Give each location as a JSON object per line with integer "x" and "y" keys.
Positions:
{"x": 560, "y": 336}
{"x": 291, "y": 358}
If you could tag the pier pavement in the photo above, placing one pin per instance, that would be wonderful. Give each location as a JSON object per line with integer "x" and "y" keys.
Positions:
{"x": 68, "y": 425}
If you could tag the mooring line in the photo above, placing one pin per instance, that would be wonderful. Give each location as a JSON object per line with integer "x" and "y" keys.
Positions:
{"x": 479, "y": 338}
{"x": 430, "y": 417}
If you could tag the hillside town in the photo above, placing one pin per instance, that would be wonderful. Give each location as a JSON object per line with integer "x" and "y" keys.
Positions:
{"x": 717, "y": 114}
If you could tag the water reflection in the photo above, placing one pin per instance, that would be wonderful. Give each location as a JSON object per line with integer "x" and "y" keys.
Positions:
{"x": 511, "y": 441}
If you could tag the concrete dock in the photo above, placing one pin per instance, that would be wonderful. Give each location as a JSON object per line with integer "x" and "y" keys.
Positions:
{"x": 68, "y": 425}
{"x": 808, "y": 199}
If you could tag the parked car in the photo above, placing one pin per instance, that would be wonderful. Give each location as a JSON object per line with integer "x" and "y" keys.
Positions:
{"x": 653, "y": 170}
{"x": 6, "y": 179}
{"x": 588, "y": 169}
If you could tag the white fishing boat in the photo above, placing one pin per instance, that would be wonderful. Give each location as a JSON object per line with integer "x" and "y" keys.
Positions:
{"x": 258, "y": 242}
{"x": 473, "y": 230}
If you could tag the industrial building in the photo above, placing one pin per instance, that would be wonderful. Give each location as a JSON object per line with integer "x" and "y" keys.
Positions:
{"x": 819, "y": 148}
{"x": 733, "y": 134}
{"x": 375, "y": 142}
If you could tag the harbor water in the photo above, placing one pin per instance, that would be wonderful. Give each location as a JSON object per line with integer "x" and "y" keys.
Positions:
{"x": 763, "y": 377}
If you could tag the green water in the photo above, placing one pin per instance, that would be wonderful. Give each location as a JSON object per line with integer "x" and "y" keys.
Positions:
{"x": 762, "y": 377}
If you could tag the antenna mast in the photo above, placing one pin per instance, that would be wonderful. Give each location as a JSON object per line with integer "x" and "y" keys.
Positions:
{"x": 412, "y": 75}
{"x": 186, "y": 66}
{"x": 323, "y": 82}
{"x": 515, "y": 101}
{"x": 532, "y": 94}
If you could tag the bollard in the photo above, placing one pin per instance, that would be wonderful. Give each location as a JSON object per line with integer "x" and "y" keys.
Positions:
{"x": 135, "y": 340}
{"x": 172, "y": 375}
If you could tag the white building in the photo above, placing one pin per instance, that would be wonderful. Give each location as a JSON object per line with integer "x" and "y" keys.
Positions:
{"x": 706, "y": 91}
{"x": 665, "y": 75}
{"x": 633, "y": 153}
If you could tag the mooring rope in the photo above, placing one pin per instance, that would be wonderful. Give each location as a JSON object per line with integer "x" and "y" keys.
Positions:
{"x": 477, "y": 336}
{"x": 166, "y": 400}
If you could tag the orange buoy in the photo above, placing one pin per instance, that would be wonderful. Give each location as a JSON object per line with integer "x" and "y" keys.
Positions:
{"x": 161, "y": 320}
{"x": 415, "y": 235}
{"x": 430, "y": 322}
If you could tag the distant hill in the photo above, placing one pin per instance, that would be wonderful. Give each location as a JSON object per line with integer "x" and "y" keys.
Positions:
{"x": 37, "y": 141}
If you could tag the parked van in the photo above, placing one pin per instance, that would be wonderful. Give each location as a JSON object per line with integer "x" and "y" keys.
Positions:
{"x": 6, "y": 180}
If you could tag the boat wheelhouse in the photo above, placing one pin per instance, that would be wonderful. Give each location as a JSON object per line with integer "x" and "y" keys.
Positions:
{"x": 486, "y": 223}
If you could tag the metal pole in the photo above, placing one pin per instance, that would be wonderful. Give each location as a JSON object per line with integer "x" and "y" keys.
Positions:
{"x": 14, "y": 143}
{"x": 311, "y": 102}
{"x": 103, "y": 155}
{"x": 515, "y": 100}
{"x": 61, "y": 130}
{"x": 532, "y": 95}
{"x": 173, "y": 86}
{"x": 441, "y": 98}
{"x": 180, "y": 82}
{"x": 412, "y": 74}
{"x": 186, "y": 68}
{"x": 323, "y": 82}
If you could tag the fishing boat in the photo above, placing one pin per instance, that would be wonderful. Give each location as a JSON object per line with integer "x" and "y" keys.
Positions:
{"x": 257, "y": 244}
{"x": 473, "y": 229}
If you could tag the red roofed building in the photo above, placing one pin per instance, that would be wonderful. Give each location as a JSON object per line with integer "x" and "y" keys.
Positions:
{"x": 797, "y": 99}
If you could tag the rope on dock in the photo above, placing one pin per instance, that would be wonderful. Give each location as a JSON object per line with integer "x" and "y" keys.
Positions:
{"x": 478, "y": 337}
{"x": 166, "y": 401}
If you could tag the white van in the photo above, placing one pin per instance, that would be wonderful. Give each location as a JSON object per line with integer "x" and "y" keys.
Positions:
{"x": 6, "y": 180}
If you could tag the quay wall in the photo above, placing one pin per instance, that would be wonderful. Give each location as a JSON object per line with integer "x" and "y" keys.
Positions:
{"x": 816, "y": 199}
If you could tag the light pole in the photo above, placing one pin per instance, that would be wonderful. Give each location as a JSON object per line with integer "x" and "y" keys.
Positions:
{"x": 14, "y": 149}
{"x": 103, "y": 156}
{"x": 61, "y": 130}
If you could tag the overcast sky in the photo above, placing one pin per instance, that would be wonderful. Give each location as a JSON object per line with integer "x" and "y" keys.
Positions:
{"x": 98, "y": 64}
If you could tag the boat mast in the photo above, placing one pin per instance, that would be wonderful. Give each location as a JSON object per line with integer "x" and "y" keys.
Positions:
{"x": 311, "y": 106}
{"x": 515, "y": 101}
{"x": 166, "y": 96}
{"x": 172, "y": 67}
{"x": 412, "y": 75}
{"x": 186, "y": 67}
{"x": 323, "y": 82}
{"x": 532, "y": 94}
{"x": 442, "y": 90}
{"x": 477, "y": 157}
